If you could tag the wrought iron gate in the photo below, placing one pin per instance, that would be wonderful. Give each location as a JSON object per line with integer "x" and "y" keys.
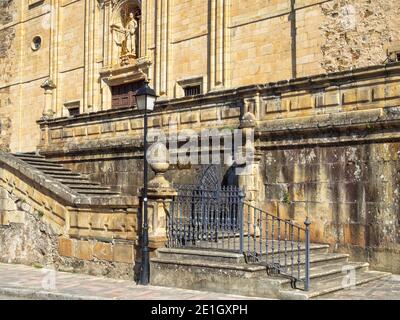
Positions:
{"x": 206, "y": 218}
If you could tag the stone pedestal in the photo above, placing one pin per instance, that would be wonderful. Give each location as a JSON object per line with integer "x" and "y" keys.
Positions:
{"x": 48, "y": 86}
{"x": 160, "y": 196}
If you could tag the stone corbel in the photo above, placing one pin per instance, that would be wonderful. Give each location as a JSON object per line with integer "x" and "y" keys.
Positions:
{"x": 48, "y": 85}
{"x": 130, "y": 73}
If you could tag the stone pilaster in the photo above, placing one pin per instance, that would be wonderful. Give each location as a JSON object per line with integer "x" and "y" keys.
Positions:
{"x": 250, "y": 177}
{"x": 54, "y": 61}
{"x": 219, "y": 43}
{"x": 162, "y": 41}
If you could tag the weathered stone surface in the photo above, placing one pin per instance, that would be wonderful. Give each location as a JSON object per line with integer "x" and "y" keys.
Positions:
{"x": 329, "y": 142}
{"x": 353, "y": 200}
{"x": 66, "y": 247}
{"x": 28, "y": 239}
{"x": 103, "y": 251}
{"x": 84, "y": 250}
{"x": 357, "y": 33}
{"x": 123, "y": 253}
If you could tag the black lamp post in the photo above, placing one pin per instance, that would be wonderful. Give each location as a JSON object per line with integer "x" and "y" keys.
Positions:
{"x": 146, "y": 98}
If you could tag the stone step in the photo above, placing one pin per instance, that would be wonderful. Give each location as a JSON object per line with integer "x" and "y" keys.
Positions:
{"x": 63, "y": 175}
{"x": 233, "y": 242}
{"x": 28, "y": 156}
{"x": 44, "y": 165}
{"x": 327, "y": 271}
{"x": 221, "y": 256}
{"x": 329, "y": 285}
{"x": 40, "y": 162}
{"x": 88, "y": 188}
{"x": 96, "y": 192}
{"x": 316, "y": 259}
{"x": 76, "y": 182}
{"x": 172, "y": 254}
{"x": 323, "y": 248}
{"x": 50, "y": 170}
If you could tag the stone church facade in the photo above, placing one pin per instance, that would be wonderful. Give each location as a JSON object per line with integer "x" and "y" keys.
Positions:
{"x": 318, "y": 80}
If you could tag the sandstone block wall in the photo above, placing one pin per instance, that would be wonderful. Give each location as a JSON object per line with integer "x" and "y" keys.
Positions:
{"x": 350, "y": 192}
{"x": 327, "y": 144}
{"x": 221, "y": 43}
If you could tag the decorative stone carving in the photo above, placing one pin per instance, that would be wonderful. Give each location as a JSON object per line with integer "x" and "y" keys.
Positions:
{"x": 137, "y": 71}
{"x": 48, "y": 85}
{"x": 158, "y": 157}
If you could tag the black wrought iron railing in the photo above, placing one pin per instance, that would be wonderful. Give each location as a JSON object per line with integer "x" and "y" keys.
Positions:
{"x": 219, "y": 218}
{"x": 206, "y": 218}
{"x": 281, "y": 245}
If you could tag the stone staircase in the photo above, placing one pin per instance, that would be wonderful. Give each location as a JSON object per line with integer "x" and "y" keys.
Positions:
{"x": 81, "y": 226}
{"x": 228, "y": 273}
{"x": 75, "y": 181}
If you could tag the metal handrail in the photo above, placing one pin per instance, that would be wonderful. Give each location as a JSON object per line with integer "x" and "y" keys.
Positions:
{"x": 278, "y": 244}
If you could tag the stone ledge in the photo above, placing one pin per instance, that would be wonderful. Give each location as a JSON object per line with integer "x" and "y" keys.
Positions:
{"x": 363, "y": 125}
{"x": 320, "y": 122}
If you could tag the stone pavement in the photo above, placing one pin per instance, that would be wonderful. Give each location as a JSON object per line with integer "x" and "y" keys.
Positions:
{"x": 10, "y": 298}
{"x": 23, "y": 282}
{"x": 384, "y": 289}
{"x": 29, "y": 282}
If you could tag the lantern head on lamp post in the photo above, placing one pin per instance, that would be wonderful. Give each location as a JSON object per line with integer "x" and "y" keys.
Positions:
{"x": 146, "y": 99}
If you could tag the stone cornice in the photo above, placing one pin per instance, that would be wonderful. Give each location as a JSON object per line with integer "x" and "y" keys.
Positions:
{"x": 345, "y": 127}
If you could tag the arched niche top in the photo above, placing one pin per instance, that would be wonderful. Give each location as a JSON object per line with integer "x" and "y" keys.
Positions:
{"x": 123, "y": 8}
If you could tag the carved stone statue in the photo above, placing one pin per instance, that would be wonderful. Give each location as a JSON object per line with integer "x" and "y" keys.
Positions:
{"x": 125, "y": 38}
{"x": 130, "y": 34}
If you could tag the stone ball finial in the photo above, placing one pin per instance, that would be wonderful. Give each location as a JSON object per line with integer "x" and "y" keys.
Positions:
{"x": 158, "y": 158}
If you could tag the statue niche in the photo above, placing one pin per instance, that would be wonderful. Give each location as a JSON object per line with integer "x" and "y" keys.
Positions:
{"x": 125, "y": 30}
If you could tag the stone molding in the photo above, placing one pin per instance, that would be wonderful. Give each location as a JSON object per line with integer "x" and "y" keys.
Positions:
{"x": 345, "y": 127}
{"x": 328, "y": 101}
